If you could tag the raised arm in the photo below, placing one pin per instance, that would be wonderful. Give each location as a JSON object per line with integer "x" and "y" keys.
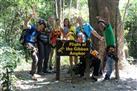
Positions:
{"x": 26, "y": 21}
{"x": 28, "y": 18}
{"x": 97, "y": 35}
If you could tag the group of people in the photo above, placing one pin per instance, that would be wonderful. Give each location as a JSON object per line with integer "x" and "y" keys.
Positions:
{"x": 40, "y": 40}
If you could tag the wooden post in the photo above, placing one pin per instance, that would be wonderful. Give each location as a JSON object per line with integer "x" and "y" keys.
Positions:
{"x": 57, "y": 67}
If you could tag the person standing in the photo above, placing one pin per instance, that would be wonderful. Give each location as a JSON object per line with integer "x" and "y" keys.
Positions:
{"x": 43, "y": 49}
{"x": 69, "y": 33}
{"x": 105, "y": 26}
{"x": 55, "y": 34}
{"x": 84, "y": 32}
{"x": 30, "y": 42}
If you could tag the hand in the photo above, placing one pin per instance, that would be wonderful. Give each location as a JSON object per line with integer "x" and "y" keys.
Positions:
{"x": 98, "y": 17}
{"x": 102, "y": 38}
{"x": 35, "y": 49}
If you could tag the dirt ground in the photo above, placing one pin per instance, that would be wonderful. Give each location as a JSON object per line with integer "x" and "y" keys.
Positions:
{"x": 127, "y": 82}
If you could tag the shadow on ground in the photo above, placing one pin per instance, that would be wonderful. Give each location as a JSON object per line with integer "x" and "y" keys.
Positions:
{"x": 48, "y": 83}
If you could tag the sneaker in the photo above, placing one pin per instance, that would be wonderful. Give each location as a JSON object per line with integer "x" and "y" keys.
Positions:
{"x": 94, "y": 79}
{"x": 49, "y": 72}
{"x": 106, "y": 78}
{"x": 41, "y": 73}
{"x": 34, "y": 78}
{"x": 30, "y": 72}
{"x": 50, "y": 68}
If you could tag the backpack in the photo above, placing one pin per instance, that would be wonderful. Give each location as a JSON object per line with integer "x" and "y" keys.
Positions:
{"x": 29, "y": 35}
{"x": 22, "y": 36}
{"x": 22, "y": 41}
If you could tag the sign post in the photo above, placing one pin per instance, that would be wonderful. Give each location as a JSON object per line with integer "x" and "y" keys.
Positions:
{"x": 69, "y": 48}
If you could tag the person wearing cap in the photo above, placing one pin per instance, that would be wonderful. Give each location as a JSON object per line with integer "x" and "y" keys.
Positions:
{"x": 43, "y": 49}
{"x": 69, "y": 33}
{"x": 110, "y": 57}
{"x": 30, "y": 41}
{"x": 84, "y": 32}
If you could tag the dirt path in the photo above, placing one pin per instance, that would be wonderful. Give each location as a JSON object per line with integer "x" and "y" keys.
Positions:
{"x": 127, "y": 82}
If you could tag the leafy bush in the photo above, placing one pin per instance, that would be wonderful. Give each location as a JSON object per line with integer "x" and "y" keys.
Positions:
{"x": 9, "y": 59}
{"x": 131, "y": 27}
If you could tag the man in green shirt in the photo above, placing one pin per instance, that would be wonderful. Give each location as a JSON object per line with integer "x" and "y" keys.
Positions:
{"x": 110, "y": 56}
{"x": 109, "y": 35}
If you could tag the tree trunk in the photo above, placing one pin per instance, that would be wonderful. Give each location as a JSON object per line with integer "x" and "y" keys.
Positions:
{"x": 62, "y": 10}
{"x": 70, "y": 5}
{"x": 97, "y": 8}
{"x": 78, "y": 5}
{"x": 59, "y": 7}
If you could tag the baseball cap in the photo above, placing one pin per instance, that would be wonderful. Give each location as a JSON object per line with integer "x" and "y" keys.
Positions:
{"x": 42, "y": 21}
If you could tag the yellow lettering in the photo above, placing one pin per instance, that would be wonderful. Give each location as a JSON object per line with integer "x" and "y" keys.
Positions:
{"x": 77, "y": 53}
{"x": 69, "y": 49}
{"x": 74, "y": 44}
{"x": 80, "y": 49}
{"x": 84, "y": 44}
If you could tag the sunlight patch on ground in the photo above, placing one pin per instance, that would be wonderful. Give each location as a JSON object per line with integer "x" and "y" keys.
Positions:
{"x": 25, "y": 87}
{"x": 129, "y": 72}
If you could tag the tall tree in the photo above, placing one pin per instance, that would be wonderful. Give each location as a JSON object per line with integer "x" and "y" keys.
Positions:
{"x": 59, "y": 9}
{"x": 97, "y": 8}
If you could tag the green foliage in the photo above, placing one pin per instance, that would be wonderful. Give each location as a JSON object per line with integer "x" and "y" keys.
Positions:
{"x": 77, "y": 8}
{"x": 9, "y": 59}
{"x": 6, "y": 84}
{"x": 131, "y": 27}
{"x": 12, "y": 14}
{"x": 46, "y": 8}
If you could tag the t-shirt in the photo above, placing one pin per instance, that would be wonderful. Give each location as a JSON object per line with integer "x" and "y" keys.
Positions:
{"x": 43, "y": 37}
{"x": 66, "y": 30}
{"x": 31, "y": 34}
{"x": 109, "y": 35}
{"x": 73, "y": 31}
{"x": 86, "y": 29}
{"x": 69, "y": 32}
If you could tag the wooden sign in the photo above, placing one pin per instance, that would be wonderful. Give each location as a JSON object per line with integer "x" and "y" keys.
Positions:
{"x": 72, "y": 48}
